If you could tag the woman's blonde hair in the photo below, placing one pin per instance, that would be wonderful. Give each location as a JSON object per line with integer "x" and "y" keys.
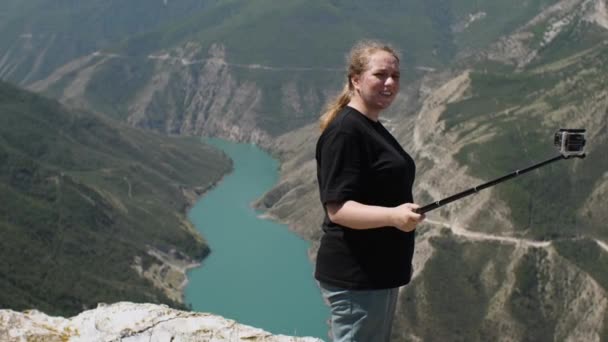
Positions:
{"x": 358, "y": 61}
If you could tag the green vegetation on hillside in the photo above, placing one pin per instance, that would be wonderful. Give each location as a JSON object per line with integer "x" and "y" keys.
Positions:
{"x": 42, "y": 35}
{"x": 83, "y": 197}
{"x": 456, "y": 296}
{"x": 522, "y": 111}
{"x": 316, "y": 33}
{"x": 527, "y": 303}
{"x": 267, "y": 43}
{"x": 588, "y": 256}
{"x": 287, "y": 33}
{"x": 116, "y": 82}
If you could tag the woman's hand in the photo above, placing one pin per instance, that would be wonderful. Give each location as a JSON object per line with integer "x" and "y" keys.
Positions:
{"x": 404, "y": 218}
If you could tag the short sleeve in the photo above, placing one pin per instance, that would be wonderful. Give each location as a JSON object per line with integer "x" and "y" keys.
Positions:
{"x": 339, "y": 167}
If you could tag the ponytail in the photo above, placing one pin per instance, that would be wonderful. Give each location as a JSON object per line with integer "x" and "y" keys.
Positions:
{"x": 332, "y": 108}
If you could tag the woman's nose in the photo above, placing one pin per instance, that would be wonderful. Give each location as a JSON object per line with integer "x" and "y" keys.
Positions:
{"x": 391, "y": 81}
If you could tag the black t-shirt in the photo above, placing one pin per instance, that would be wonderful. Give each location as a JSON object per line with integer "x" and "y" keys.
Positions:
{"x": 359, "y": 160}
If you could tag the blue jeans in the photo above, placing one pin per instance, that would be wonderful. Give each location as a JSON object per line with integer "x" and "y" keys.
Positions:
{"x": 360, "y": 315}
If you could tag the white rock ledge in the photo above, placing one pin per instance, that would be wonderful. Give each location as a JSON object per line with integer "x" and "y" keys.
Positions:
{"x": 131, "y": 322}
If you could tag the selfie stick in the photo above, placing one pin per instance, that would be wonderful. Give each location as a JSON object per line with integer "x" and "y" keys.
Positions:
{"x": 478, "y": 188}
{"x": 571, "y": 143}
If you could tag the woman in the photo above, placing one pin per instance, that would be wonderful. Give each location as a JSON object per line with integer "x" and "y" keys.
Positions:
{"x": 365, "y": 183}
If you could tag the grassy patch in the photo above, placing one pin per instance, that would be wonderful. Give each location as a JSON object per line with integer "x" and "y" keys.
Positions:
{"x": 588, "y": 256}
{"x": 457, "y": 286}
{"x": 526, "y": 300}
{"x": 116, "y": 83}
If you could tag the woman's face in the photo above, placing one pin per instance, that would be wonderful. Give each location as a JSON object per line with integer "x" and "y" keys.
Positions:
{"x": 378, "y": 86}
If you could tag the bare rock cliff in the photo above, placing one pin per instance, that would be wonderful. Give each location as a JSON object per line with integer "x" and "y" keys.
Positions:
{"x": 131, "y": 322}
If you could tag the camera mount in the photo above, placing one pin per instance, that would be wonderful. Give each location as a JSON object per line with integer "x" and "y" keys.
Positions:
{"x": 571, "y": 143}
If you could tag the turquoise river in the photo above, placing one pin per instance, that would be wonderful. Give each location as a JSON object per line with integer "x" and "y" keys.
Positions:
{"x": 258, "y": 272}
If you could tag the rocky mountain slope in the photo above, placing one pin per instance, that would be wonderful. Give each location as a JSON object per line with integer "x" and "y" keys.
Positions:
{"x": 248, "y": 71}
{"x": 524, "y": 260}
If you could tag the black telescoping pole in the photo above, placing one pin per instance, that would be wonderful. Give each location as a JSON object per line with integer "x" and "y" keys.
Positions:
{"x": 473, "y": 190}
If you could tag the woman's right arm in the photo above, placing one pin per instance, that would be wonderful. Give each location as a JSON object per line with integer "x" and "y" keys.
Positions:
{"x": 356, "y": 215}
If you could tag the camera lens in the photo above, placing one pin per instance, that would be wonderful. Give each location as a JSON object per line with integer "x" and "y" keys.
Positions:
{"x": 575, "y": 142}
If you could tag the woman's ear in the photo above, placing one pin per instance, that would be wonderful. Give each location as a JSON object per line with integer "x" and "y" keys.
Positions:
{"x": 354, "y": 80}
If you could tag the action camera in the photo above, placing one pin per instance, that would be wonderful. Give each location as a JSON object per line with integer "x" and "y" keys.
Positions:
{"x": 571, "y": 142}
